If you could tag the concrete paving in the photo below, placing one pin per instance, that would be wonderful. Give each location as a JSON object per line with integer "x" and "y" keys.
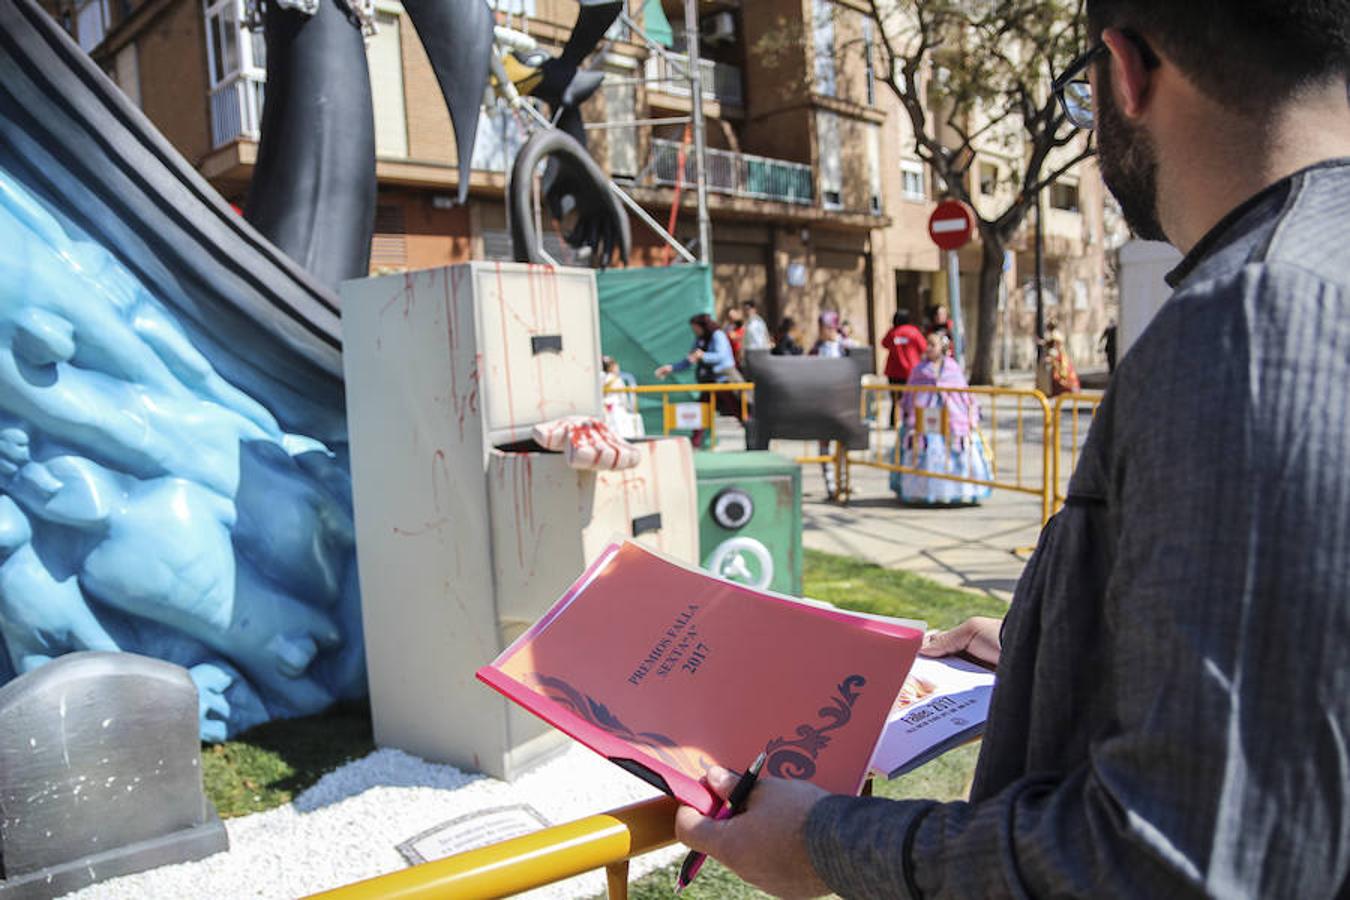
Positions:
{"x": 980, "y": 548}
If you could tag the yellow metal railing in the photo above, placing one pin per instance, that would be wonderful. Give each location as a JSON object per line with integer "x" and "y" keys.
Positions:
{"x": 709, "y": 414}
{"x": 1091, "y": 401}
{"x": 1025, "y": 404}
{"x": 605, "y": 841}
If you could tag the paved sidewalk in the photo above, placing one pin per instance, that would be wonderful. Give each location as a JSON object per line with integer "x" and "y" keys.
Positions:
{"x": 971, "y": 547}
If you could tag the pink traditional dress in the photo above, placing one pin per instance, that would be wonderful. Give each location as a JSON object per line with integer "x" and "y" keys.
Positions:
{"x": 940, "y": 433}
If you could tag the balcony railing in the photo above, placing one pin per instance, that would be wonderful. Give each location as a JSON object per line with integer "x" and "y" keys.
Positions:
{"x": 236, "y": 109}
{"x": 721, "y": 82}
{"x": 738, "y": 174}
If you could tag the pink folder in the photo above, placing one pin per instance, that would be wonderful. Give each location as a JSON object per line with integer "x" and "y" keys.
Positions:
{"x": 667, "y": 670}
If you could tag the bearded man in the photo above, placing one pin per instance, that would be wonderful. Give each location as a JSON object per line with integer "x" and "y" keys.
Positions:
{"x": 1172, "y": 716}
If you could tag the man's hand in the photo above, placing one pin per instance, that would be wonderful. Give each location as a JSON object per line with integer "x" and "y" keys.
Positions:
{"x": 663, "y": 371}
{"x": 977, "y": 637}
{"x": 765, "y": 844}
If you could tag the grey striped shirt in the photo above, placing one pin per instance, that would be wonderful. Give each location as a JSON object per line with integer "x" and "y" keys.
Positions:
{"x": 1173, "y": 710}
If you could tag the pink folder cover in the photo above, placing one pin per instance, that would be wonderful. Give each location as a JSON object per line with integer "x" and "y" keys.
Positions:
{"x": 666, "y": 670}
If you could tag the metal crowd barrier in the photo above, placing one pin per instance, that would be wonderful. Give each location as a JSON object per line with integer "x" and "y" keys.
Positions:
{"x": 708, "y": 417}
{"x": 1036, "y": 464}
{"x": 1021, "y": 404}
{"x": 605, "y": 841}
{"x": 1091, "y": 401}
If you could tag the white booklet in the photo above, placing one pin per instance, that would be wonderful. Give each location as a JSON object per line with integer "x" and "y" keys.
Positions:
{"x": 942, "y": 705}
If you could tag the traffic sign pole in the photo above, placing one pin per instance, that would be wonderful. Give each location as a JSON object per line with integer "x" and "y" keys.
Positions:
{"x": 954, "y": 290}
{"x": 951, "y": 227}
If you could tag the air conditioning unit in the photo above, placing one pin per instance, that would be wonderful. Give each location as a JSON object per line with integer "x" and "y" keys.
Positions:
{"x": 719, "y": 28}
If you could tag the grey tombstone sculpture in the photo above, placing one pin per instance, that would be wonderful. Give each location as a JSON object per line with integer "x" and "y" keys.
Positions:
{"x": 100, "y": 774}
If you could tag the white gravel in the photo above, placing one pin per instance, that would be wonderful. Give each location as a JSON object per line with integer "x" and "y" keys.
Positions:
{"x": 347, "y": 827}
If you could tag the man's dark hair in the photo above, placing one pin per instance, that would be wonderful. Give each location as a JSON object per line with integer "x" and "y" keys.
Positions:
{"x": 749, "y": 304}
{"x": 1251, "y": 54}
{"x": 901, "y": 317}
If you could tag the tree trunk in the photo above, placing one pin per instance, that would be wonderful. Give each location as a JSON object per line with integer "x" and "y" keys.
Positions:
{"x": 991, "y": 277}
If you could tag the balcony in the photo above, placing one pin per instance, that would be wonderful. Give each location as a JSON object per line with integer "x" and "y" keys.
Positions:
{"x": 721, "y": 82}
{"x": 737, "y": 174}
{"x": 236, "y": 109}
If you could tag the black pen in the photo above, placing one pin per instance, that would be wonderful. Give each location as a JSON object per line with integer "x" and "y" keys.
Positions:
{"x": 735, "y": 804}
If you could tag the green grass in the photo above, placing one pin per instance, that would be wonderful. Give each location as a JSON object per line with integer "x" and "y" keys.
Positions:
{"x": 268, "y": 765}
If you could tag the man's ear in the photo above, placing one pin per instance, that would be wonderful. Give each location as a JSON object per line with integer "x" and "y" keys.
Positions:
{"x": 1131, "y": 79}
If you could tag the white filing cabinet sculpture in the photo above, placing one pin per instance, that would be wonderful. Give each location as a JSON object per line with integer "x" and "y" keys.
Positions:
{"x": 465, "y": 533}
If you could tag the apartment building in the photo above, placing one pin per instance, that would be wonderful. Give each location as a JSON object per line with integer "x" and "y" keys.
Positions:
{"x": 816, "y": 198}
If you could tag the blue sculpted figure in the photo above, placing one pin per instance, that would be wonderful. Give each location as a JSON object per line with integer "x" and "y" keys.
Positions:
{"x": 147, "y": 504}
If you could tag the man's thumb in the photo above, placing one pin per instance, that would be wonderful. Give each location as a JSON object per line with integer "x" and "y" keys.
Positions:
{"x": 946, "y": 643}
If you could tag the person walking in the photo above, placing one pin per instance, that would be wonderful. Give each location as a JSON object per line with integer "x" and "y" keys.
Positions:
{"x": 756, "y": 329}
{"x": 905, "y": 346}
{"x": 1107, "y": 344}
{"x": 829, "y": 345}
{"x": 1173, "y": 694}
{"x": 713, "y": 362}
{"x": 786, "y": 341}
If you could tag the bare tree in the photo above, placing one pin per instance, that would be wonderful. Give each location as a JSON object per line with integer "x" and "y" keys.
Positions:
{"x": 971, "y": 76}
{"x": 969, "y": 73}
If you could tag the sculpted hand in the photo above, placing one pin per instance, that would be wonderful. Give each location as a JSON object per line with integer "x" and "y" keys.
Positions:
{"x": 765, "y": 844}
{"x": 977, "y": 637}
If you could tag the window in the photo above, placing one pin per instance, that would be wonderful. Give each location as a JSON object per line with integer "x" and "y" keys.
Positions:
{"x": 1064, "y": 196}
{"x": 988, "y": 179}
{"x": 831, "y": 168}
{"x": 223, "y": 32}
{"x": 513, "y": 7}
{"x": 500, "y": 137}
{"x": 91, "y": 23}
{"x": 1080, "y": 294}
{"x": 874, "y": 168}
{"x": 868, "y": 52}
{"x": 389, "y": 244}
{"x": 912, "y": 180}
{"x": 822, "y": 42}
{"x": 385, "y": 58}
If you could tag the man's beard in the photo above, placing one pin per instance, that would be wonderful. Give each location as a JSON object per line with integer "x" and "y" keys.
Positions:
{"x": 1129, "y": 164}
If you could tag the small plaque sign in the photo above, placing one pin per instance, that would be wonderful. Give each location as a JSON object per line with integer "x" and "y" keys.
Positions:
{"x": 471, "y": 831}
{"x": 690, "y": 416}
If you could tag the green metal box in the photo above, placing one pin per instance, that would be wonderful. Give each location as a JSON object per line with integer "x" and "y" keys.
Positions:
{"x": 750, "y": 518}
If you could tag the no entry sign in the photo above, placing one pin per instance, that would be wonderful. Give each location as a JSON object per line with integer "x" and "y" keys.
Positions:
{"x": 951, "y": 225}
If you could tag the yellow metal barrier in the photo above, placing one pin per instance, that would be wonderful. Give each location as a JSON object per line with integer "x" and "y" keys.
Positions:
{"x": 1022, "y": 481}
{"x": 534, "y": 860}
{"x": 709, "y": 417}
{"x": 1092, "y": 401}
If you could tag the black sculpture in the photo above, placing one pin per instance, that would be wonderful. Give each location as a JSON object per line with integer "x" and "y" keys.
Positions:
{"x": 313, "y": 190}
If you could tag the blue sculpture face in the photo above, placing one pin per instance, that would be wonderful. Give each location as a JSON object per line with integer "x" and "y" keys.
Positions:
{"x": 149, "y": 505}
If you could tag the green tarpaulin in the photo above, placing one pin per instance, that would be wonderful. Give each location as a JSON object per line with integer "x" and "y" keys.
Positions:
{"x": 655, "y": 23}
{"x": 644, "y": 323}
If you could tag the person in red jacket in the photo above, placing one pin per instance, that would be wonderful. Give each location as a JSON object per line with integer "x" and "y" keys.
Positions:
{"x": 904, "y": 345}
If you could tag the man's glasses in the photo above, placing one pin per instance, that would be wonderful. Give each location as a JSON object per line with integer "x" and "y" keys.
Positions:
{"x": 1075, "y": 91}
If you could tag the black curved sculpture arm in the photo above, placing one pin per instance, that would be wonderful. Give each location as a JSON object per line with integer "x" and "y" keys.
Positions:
{"x": 457, "y": 35}
{"x": 602, "y": 223}
{"x": 313, "y": 189}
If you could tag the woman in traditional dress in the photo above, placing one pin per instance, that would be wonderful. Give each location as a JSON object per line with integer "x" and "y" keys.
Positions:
{"x": 1063, "y": 377}
{"x": 940, "y": 434}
